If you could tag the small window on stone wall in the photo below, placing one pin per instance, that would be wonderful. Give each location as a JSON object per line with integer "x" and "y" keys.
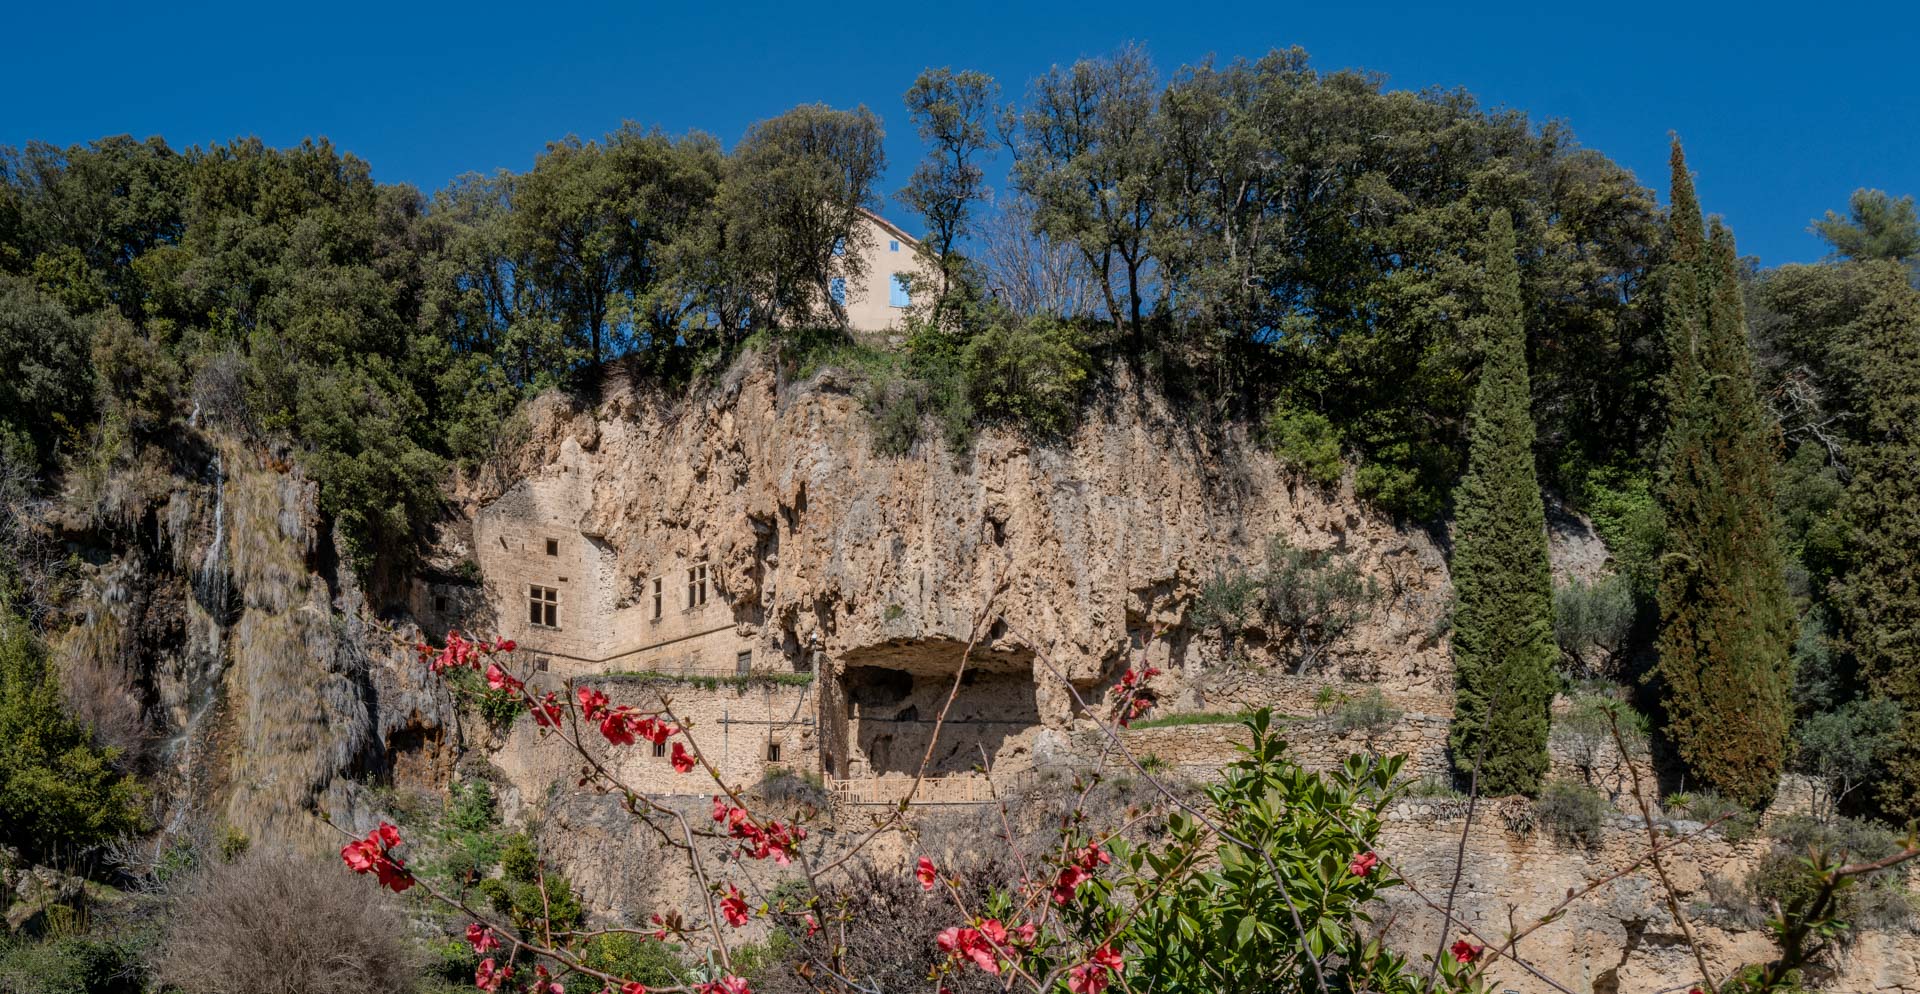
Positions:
{"x": 743, "y": 663}
{"x": 697, "y": 585}
{"x": 540, "y": 664}
{"x": 657, "y": 598}
{"x": 543, "y": 606}
{"x": 553, "y": 547}
{"x": 659, "y": 749}
{"x": 773, "y": 752}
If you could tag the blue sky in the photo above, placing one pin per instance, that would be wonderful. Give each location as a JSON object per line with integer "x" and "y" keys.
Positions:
{"x": 1783, "y": 112}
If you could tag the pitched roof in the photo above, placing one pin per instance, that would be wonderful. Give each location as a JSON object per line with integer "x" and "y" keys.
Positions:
{"x": 892, "y": 229}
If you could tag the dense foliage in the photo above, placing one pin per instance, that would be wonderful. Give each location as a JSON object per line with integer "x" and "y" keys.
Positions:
{"x": 59, "y": 794}
{"x": 1503, "y": 647}
{"x": 1725, "y": 619}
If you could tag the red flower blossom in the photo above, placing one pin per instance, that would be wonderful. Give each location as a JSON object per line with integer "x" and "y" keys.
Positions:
{"x": 507, "y": 645}
{"x": 1069, "y": 880}
{"x": 613, "y": 725}
{"x": 728, "y": 984}
{"x": 499, "y": 679}
{"x": 682, "y": 761}
{"x": 546, "y": 712}
{"x": 487, "y": 978}
{"x": 734, "y": 908}
{"x": 927, "y": 874}
{"x": 481, "y": 938}
{"x": 543, "y": 984}
{"x": 813, "y": 925}
{"x": 1363, "y": 864}
{"x": 1466, "y": 952}
{"x": 591, "y": 701}
{"x": 372, "y": 855}
{"x": 1087, "y": 979}
{"x": 633, "y": 987}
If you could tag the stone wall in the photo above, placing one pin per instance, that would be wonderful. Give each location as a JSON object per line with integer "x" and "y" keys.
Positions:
{"x": 731, "y": 724}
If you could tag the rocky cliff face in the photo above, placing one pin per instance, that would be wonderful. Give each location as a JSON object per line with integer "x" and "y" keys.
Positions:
{"x": 1082, "y": 549}
{"x": 265, "y": 687}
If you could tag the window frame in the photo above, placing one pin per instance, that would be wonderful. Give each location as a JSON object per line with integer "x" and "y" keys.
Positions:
{"x": 543, "y": 611}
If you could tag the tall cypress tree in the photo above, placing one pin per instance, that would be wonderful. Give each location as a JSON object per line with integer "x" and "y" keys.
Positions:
{"x": 1725, "y": 617}
{"x": 1503, "y": 648}
{"x": 1879, "y": 600}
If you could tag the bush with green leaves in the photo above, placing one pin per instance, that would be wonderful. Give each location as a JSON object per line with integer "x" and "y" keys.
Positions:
{"x": 58, "y": 793}
{"x": 1584, "y": 732}
{"x": 1369, "y": 713}
{"x": 1030, "y": 372}
{"x": 1592, "y": 622}
{"x": 1573, "y": 812}
{"x": 1314, "y": 598}
{"x": 71, "y": 964}
{"x": 1307, "y": 442}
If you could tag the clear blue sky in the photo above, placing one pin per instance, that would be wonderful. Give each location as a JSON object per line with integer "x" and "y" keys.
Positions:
{"x": 1783, "y": 112}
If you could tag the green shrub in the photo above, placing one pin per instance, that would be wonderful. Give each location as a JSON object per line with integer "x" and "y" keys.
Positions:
{"x": 76, "y": 964}
{"x": 1629, "y": 521}
{"x": 1591, "y": 623}
{"x": 57, "y": 792}
{"x": 1314, "y": 597}
{"x": 1572, "y": 812}
{"x": 1031, "y": 372}
{"x": 782, "y": 785}
{"x": 1369, "y": 713}
{"x": 634, "y": 958}
{"x": 1738, "y": 824}
{"x": 1306, "y": 442}
{"x": 518, "y": 862}
{"x": 1392, "y": 481}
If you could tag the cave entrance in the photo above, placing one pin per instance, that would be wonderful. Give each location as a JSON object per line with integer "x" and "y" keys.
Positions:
{"x": 893, "y": 703}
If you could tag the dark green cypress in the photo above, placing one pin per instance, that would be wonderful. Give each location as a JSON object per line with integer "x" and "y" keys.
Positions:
{"x": 1879, "y": 600}
{"x": 1503, "y": 648}
{"x": 1725, "y": 616}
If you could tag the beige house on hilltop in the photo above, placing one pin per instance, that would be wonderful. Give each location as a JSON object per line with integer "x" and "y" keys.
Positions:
{"x": 876, "y": 302}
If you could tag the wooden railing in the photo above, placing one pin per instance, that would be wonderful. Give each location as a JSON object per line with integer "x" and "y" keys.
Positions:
{"x": 953, "y": 789}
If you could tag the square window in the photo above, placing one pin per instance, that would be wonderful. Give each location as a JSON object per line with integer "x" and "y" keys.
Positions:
{"x": 440, "y": 603}
{"x": 900, "y": 296}
{"x": 659, "y": 749}
{"x": 540, "y": 664}
{"x": 839, "y": 246}
{"x": 543, "y": 606}
{"x": 656, "y": 598}
{"x": 773, "y": 752}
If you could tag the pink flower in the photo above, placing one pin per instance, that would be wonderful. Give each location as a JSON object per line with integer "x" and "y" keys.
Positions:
{"x": 481, "y": 938}
{"x": 682, "y": 762}
{"x": 927, "y": 874}
{"x": 591, "y": 701}
{"x": 1466, "y": 952}
{"x": 546, "y": 712}
{"x": 1363, "y": 864}
{"x": 813, "y": 925}
{"x": 508, "y": 645}
{"x": 633, "y": 987}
